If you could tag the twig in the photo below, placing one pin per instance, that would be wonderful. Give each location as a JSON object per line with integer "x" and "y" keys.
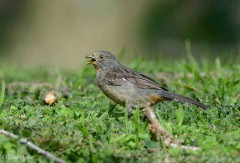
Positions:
{"x": 185, "y": 147}
{"x": 25, "y": 84}
{"x": 156, "y": 128}
{"x": 33, "y": 146}
{"x": 159, "y": 132}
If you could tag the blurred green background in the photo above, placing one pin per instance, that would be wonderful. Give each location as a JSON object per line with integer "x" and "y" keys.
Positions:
{"x": 62, "y": 32}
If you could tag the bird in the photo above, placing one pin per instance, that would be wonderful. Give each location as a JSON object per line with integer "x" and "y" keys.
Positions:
{"x": 128, "y": 87}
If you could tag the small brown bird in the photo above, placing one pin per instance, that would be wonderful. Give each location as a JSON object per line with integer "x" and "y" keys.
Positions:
{"x": 128, "y": 87}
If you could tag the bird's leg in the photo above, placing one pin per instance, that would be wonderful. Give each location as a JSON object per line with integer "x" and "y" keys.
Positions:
{"x": 129, "y": 111}
{"x": 157, "y": 129}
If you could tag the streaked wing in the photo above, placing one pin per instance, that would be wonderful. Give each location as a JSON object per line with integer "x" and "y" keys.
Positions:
{"x": 121, "y": 75}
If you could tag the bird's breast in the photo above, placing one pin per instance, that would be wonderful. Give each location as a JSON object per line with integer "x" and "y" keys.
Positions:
{"x": 128, "y": 93}
{"x": 119, "y": 94}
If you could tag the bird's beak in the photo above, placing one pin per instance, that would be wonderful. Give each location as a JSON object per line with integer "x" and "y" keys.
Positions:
{"x": 92, "y": 59}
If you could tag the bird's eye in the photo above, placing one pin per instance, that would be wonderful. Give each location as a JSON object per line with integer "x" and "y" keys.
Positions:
{"x": 101, "y": 56}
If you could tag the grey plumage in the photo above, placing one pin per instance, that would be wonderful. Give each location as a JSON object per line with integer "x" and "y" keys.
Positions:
{"x": 126, "y": 86}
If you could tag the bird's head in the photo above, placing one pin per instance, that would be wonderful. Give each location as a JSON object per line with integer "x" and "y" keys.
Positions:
{"x": 102, "y": 60}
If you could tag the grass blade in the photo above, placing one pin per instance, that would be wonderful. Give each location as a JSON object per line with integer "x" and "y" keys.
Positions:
{"x": 190, "y": 56}
{"x": 2, "y": 94}
{"x": 180, "y": 116}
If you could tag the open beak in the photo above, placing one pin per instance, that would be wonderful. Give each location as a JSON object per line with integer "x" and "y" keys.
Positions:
{"x": 92, "y": 59}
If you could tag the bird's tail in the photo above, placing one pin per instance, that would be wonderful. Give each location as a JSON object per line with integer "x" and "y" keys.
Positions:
{"x": 174, "y": 96}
